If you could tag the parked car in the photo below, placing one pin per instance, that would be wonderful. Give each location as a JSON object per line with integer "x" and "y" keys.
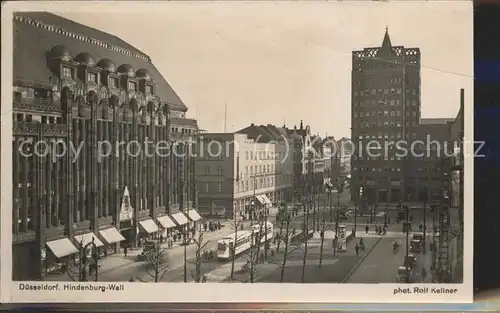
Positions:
{"x": 410, "y": 261}
{"x": 403, "y": 275}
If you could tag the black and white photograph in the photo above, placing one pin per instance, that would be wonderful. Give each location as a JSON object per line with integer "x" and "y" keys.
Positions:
{"x": 291, "y": 143}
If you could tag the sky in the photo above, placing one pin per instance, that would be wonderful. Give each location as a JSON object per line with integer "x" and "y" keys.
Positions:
{"x": 282, "y": 62}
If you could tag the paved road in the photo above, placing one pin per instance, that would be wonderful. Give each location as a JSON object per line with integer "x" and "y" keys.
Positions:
{"x": 381, "y": 265}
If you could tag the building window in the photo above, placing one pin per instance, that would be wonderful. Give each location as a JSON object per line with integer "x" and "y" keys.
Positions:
{"x": 149, "y": 90}
{"x": 113, "y": 82}
{"x": 41, "y": 93}
{"x": 206, "y": 187}
{"x": 67, "y": 72}
{"x": 92, "y": 78}
{"x": 132, "y": 86}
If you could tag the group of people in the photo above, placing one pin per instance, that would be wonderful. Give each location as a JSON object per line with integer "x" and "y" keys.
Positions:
{"x": 212, "y": 226}
{"x": 379, "y": 230}
{"x": 359, "y": 246}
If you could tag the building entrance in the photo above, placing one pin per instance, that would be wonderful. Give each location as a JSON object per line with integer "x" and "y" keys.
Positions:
{"x": 395, "y": 195}
{"x": 382, "y": 195}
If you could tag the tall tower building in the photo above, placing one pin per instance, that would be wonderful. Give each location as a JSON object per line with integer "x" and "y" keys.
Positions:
{"x": 385, "y": 109}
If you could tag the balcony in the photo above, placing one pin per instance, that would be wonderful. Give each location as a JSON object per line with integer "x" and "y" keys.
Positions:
{"x": 36, "y": 104}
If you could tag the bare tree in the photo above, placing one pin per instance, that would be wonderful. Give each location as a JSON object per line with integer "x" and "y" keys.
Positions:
{"x": 304, "y": 237}
{"x": 323, "y": 227}
{"x": 286, "y": 235}
{"x": 157, "y": 262}
{"x": 200, "y": 245}
{"x": 237, "y": 223}
{"x": 254, "y": 256}
{"x": 83, "y": 266}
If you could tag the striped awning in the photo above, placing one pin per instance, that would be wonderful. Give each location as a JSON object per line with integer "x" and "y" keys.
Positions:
{"x": 260, "y": 199}
{"x": 266, "y": 200}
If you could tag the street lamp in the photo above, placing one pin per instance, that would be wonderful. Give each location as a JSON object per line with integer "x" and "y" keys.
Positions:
{"x": 356, "y": 209}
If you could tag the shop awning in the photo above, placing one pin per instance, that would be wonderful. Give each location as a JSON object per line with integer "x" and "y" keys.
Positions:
{"x": 260, "y": 199}
{"x": 62, "y": 247}
{"x": 194, "y": 216}
{"x": 111, "y": 235}
{"x": 180, "y": 218}
{"x": 266, "y": 200}
{"x": 165, "y": 221}
{"x": 149, "y": 226}
{"x": 86, "y": 238}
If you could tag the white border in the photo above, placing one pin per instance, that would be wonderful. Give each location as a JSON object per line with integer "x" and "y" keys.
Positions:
{"x": 285, "y": 293}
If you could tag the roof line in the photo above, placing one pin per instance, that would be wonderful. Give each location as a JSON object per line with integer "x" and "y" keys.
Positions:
{"x": 80, "y": 37}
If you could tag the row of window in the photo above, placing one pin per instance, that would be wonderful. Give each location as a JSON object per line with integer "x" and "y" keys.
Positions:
{"x": 182, "y": 130}
{"x": 50, "y": 119}
{"x": 263, "y": 155}
{"x": 378, "y": 102}
{"x": 94, "y": 78}
{"x": 262, "y": 182}
{"x": 385, "y": 113}
{"x": 383, "y": 124}
{"x": 379, "y": 169}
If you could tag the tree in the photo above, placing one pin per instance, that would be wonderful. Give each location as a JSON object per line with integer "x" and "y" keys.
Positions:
{"x": 84, "y": 265}
{"x": 285, "y": 235}
{"x": 253, "y": 256}
{"x": 323, "y": 227}
{"x": 158, "y": 266}
{"x": 237, "y": 223}
{"x": 305, "y": 235}
{"x": 200, "y": 245}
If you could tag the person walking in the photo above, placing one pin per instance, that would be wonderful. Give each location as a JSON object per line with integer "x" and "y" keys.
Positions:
{"x": 125, "y": 250}
{"x": 357, "y": 249}
{"x": 423, "y": 274}
{"x": 367, "y": 228}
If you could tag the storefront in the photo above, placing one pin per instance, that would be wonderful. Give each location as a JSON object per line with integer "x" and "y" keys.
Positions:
{"x": 111, "y": 236}
{"x": 84, "y": 239}
{"x": 194, "y": 217}
{"x": 147, "y": 230}
{"x": 166, "y": 224}
{"x": 182, "y": 223}
{"x": 60, "y": 250}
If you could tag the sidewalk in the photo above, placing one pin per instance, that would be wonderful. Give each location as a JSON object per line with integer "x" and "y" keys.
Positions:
{"x": 109, "y": 265}
{"x": 174, "y": 253}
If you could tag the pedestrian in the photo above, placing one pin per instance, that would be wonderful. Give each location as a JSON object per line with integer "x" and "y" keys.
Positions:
{"x": 367, "y": 228}
{"x": 218, "y": 224}
{"x": 125, "y": 251}
{"x": 161, "y": 238}
{"x": 424, "y": 273}
{"x": 357, "y": 249}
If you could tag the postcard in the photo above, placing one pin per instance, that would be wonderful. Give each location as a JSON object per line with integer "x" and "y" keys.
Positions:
{"x": 237, "y": 151}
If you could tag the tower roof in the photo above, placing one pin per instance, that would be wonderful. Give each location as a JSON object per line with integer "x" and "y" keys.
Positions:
{"x": 386, "y": 43}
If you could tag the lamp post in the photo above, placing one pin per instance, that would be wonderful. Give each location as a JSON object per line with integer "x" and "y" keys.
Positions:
{"x": 356, "y": 209}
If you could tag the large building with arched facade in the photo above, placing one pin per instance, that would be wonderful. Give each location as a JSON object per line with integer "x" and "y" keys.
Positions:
{"x": 101, "y": 109}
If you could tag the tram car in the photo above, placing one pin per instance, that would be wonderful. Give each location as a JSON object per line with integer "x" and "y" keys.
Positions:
{"x": 246, "y": 239}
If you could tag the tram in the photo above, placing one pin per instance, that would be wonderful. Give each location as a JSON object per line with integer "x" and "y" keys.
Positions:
{"x": 244, "y": 241}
